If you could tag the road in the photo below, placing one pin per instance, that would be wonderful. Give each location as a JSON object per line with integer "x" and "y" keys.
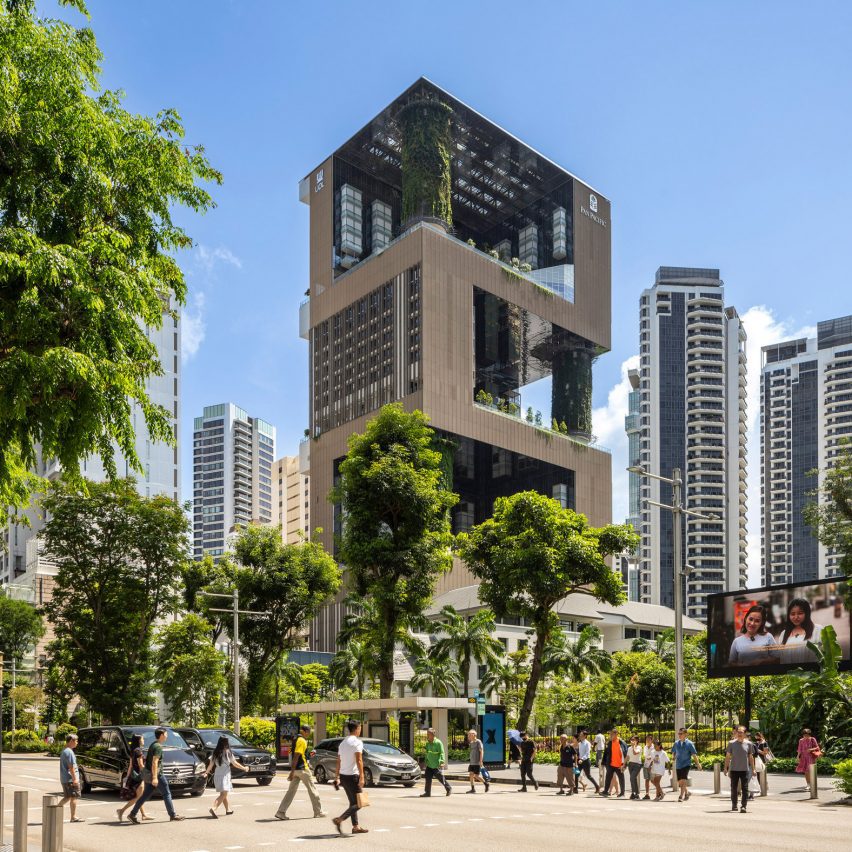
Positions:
{"x": 502, "y": 819}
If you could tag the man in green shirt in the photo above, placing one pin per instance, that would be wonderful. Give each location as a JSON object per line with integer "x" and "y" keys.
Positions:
{"x": 435, "y": 759}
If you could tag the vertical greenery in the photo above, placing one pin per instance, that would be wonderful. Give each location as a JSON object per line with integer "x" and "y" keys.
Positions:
{"x": 572, "y": 390}
{"x": 426, "y": 160}
{"x": 87, "y": 246}
{"x": 396, "y": 533}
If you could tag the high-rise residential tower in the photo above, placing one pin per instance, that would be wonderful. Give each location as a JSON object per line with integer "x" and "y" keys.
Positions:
{"x": 160, "y": 462}
{"x": 233, "y": 456}
{"x": 451, "y": 267}
{"x": 692, "y": 383}
{"x": 292, "y": 506}
{"x": 805, "y": 410}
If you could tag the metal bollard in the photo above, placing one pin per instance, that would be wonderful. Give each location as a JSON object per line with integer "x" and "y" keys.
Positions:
{"x": 19, "y": 829}
{"x": 764, "y": 783}
{"x": 51, "y": 824}
{"x": 812, "y": 781}
{"x": 717, "y": 778}
{"x": 2, "y": 815}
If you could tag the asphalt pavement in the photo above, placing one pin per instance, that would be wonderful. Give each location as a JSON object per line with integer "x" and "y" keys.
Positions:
{"x": 399, "y": 819}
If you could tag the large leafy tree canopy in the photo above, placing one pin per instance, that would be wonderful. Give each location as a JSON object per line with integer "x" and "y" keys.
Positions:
{"x": 532, "y": 553}
{"x": 86, "y": 244}
{"x": 20, "y": 628}
{"x": 396, "y": 536}
{"x": 291, "y": 582}
{"x": 120, "y": 558}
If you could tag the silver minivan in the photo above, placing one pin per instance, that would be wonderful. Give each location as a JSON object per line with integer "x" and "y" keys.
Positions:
{"x": 383, "y": 763}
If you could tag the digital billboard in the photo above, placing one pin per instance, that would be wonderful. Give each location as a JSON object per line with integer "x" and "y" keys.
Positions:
{"x": 767, "y": 631}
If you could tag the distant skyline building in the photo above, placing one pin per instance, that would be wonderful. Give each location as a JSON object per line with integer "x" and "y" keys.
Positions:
{"x": 160, "y": 463}
{"x": 692, "y": 385}
{"x": 291, "y": 508}
{"x": 805, "y": 410}
{"x": 233, "y": 457}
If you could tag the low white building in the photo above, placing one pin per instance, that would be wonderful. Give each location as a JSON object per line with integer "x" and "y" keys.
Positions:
{"x": 619, "y": 625}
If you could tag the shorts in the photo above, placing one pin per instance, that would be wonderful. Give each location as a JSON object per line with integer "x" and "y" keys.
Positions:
{"x": 599, "y": 758}
{"x": 475, "y": 768}
{"x": 70, "y": 790}
{"x": 682, "y": 774}
{"x": 646, "y": 773}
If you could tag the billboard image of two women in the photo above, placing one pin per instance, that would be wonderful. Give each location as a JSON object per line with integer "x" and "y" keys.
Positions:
{"x": 770, "y": 630}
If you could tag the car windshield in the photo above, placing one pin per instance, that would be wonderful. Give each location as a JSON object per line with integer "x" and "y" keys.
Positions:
{"x": 173, "y": 738}
{"x": 211, "y": 739}
{"x": 382, "y": 748}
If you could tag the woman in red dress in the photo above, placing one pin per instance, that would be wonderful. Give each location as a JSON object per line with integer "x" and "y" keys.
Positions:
{"x": 808, "y": 751}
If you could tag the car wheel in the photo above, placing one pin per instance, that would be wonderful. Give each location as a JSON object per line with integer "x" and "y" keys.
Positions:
{"x": 264, "y": 782}
{"x": 85, "y": 786}
{"x": 321, "y": 775}
{"x": 196, "y": 793}
{"x": 368, "y": 778}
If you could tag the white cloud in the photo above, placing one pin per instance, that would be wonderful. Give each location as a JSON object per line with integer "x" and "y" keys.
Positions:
{"x": 192, "y": 327}
{"x": 209, "y": 257}
{"x": 608, "y": 426}
{"x": 762, "y": 329}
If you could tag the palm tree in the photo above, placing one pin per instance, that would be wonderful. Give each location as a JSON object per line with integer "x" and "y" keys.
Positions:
{"x": 363, "y": 624}
{"x": 351, "y": 664}
{"x": 468, "y": 640}
{"x": 507, "y": 677}
{"x": 577, "y": 659}
{"x": 440, "y": 674}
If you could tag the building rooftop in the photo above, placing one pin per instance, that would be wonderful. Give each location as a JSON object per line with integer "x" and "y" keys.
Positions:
{"x": 581, "y": 607}
{"x": 494, "y": 174}
{"x": 687, "y": 275}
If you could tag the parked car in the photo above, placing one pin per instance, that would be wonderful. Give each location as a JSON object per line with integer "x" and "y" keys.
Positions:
{"x": 261, "y": 764}
{"x": 383, "y": 763}
{"x": 103, "y": 755}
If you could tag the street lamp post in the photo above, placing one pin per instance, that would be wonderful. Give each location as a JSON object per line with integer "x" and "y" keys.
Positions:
{"x": 678, "y": 511}
{"x": 236, "y": 612}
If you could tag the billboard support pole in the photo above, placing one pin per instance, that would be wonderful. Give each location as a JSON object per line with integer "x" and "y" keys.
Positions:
{"x": 677, "y": 510}
{"x": 747, "y": 721}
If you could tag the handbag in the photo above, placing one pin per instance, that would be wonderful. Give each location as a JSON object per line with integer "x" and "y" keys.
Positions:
{"x": 759, "y": 765}
{"x": 127, "y": 792}
{"x": 362, "y": 799}
{"x": 753, "y": 784}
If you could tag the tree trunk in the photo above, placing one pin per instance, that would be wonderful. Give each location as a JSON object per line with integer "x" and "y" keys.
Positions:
{"x": 541, "y": 636}
{"x": 466, "y": 676}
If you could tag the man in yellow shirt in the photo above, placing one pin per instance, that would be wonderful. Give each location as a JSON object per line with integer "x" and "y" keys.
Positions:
{"x": 300, "y": 771}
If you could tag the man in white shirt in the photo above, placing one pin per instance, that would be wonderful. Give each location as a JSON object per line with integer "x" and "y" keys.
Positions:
{"x": 350, "y": 775}
{"x": 586, "y": 759}
{"x": 600, "y": 745}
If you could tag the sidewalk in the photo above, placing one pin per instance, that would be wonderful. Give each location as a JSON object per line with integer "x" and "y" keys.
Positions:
{"x": 791, "y": 786}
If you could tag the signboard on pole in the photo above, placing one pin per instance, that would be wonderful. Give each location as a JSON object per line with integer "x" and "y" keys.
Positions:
{"x": 492, "y": 730}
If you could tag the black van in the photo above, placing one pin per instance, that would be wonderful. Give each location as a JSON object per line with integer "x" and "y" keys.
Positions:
{"x": 103, "y": 755}
{"x": 260, "y": 764}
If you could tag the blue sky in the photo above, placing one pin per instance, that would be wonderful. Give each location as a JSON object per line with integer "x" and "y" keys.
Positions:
{"x": 720, "y": 131}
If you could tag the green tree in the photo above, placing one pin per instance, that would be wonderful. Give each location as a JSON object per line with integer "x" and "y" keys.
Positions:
{"x": 578, "y": 659}
{"x": 508, "y": 678}
{"x": 190, "y": 670}
{"x": 831, "y": 515}
{"x": 530, "y": 555}
{"x": 439, "y": 674}
{"x": 87, "y": 245}
{"x": 20, "y": 628}
{"x": 291, "y": 582}
{"x": 469, "y": 640}
{"x": 120, "y": 558}
{"x": 396, "y": 536}
{"x": 352, "y": 663}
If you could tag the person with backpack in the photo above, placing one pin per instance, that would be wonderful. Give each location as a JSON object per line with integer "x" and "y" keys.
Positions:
{"x": 527, "y": 760}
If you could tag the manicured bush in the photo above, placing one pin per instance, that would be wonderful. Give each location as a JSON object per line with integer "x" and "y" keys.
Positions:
{"x": 23, "y": 741}
{"x": 843, "y": 781}
{"x": 63, "y": 730}
{"x": 258, "y": 732}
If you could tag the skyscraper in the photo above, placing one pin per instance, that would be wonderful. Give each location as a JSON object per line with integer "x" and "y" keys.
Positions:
{"x": 692, "y": 416}
{"x": 160, "y": 462}
{"x": 291, "y": 509}
{"x": 233, "y": 456}
{"x": 451, "y": 267}
{"x": 805, "y": 410}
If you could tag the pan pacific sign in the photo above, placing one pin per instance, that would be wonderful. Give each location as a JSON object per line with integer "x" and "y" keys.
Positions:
{"x": 592, "y": 210}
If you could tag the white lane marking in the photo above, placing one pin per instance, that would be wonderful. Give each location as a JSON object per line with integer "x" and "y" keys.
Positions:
{"x": 454, "y": 822}
{"x": 268, "y": 843}
{"x": 499, "y": 816}
{"x": 402, "y": 826}
{"x": 38, "y": 777}
{"x": 379, "y": 830}
{"x": 235, "y": 847}
{"x": 476, "y": 819}
{"x": 430, "y": 824}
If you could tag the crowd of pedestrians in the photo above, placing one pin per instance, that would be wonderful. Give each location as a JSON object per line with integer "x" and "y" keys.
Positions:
{"x": 745, "y": 765}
